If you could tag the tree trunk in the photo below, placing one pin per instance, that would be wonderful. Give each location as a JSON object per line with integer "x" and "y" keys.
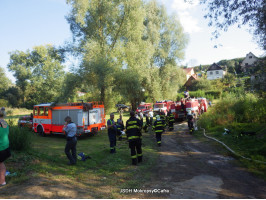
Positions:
{"x": 103, "y": 94}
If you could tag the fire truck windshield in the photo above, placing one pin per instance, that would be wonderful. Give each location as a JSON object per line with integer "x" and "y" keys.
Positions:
{"x": 141, "y": 107}
{"x": 158, "y": 106}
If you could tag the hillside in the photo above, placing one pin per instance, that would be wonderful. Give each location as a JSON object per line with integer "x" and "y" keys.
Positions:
{"x": 233, "y": 65}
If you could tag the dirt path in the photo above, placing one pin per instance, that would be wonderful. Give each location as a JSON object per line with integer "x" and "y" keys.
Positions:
{"x": 189, "y": 168}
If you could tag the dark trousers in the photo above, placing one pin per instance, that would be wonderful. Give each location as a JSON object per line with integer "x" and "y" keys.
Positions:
{"x": 112, "y": 140}
{"x": 71, "y": 146}
{"x": 159, "y": 138}
{"x": 151, "y": 119}
{"x": 136, "y": 151}
{"x": 171, "y": 125}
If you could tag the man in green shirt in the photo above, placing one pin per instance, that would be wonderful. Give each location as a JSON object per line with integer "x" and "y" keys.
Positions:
{"x": 4, "y": 146}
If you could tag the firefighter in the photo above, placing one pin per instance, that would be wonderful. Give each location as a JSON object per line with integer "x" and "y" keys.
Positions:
{"x": 112, "y": 130}
{"x": 120, "y": 127}
{"x": 162, "y": 117}
{"x": 190, "y": 121}
{"x": 158, "y": 128}
{"x": 171, "y": 120}
{"x": 151, "y": 117}
{"x": 133, "y": 131}
{"x": 147, "y": 124}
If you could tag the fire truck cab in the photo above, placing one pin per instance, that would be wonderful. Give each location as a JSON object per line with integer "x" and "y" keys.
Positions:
{"x": 49, "y": 118}
{"x": 193, "y": 106}
{"x": 164, "y": 106}
{"x": 144, "y": 108}
{"x": 178, "y": 111}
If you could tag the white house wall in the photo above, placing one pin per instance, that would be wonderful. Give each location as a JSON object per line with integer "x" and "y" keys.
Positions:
{"x": 215, "y": 74}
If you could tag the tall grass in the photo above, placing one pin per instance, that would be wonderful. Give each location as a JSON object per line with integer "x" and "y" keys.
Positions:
{"x": 19, "y": 138}
{"x": 239, "y": 108}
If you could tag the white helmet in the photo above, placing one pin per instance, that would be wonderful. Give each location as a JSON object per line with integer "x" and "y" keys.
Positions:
{"x": 158, "y": 117}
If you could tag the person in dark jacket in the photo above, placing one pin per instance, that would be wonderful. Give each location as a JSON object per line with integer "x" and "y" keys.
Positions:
{"x": 190, "y": 121}
{"x": 120, "y": 127}
{"x": 133, "y": 131}
{"x": 70, "y": 129}
{"x": 158, "y": 128}
{"x": 171, "y": 120}
{"x": 112, "y": 131}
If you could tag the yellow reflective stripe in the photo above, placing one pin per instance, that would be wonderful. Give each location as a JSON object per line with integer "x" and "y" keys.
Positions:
{"x": 133, "y": 126}
{"x": 158, "y": 131}
{"x": 110, "y": 121}
{"x": 133, "y": 137}
{"x": 158, "y": 125}
{"x": 135, "y": 156}
{"x": 159, "y": 142}
{"x": 139, "y": 154}
{"x": 132, "y": 122}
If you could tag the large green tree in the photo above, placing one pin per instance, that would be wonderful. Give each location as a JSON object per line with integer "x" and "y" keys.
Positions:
{"x": 124, "y": 43}
{"x": 39, "y": 73}
{"x": 99, "y": 28}
{"x": 5, "y": 83}
{"x": 167, "y": 37}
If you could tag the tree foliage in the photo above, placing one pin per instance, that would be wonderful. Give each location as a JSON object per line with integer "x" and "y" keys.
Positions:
{"x": 127, "y": 46}
{"x": 224, "y": 13}
{"x": 4, "y": 81}
{"x": 39, "y": 73}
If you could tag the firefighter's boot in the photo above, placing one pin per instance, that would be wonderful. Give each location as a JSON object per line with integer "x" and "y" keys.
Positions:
{"x": 134, "y": 161}
{"x": 139, "y": 159}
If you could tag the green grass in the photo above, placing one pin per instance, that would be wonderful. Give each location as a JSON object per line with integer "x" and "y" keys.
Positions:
{"x": 253, "y": 147}
{"x": 47, "y": 159}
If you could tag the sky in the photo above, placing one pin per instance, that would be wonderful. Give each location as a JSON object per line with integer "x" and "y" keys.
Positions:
{"x": 28, "y": 23}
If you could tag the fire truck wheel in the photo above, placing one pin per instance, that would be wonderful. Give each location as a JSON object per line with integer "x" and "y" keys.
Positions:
{"x": 40, "y": 131}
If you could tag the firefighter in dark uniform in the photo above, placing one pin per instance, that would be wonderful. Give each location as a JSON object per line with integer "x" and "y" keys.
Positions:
{"x": 158, "y": 128}
{"x": 133, "y": 131}
{"x": 171, "y": 120}
{"x": 163, "y": 118}
{"x": 190, "y": 122}
{"x": 147, "y": 124}
{"x": 112, "y": 131}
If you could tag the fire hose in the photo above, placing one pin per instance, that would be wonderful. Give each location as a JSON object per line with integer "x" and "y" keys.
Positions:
{"x": 232, "y": 151}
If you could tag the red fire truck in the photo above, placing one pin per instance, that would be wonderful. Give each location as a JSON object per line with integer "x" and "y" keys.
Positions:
{"x": 144, "y": 108}
{"x": 49, "y": 118}
{"x": 178, "y": 111}
{"x": 203, "y": 105}
{"x": 193, "y": 106}
{"x": 164, "y": 106}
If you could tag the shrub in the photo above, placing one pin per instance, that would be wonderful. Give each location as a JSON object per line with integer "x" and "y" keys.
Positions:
{"x": 3, "y": 103}
{"x": 214, "y": 93}
{"x": 179, "y": 96}
{"x": 247, "y": 108}
{"x": 198, "y": 93}
{"x": 19, "y": 138}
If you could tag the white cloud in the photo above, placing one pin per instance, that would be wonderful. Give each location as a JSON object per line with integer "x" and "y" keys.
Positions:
{"x": 181, "y": 5}
{"x": 189, "y": 23}
{"x": 183, "y": 10}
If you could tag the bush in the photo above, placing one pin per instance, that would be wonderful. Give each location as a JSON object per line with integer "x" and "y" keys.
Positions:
{"x": 214, "y": 93}
{"x": 247, "y": 108}
{"x": 19, "y": 138}
{"x": 198, "y": 93}
{"x": 179, "y": 96}
{"x": 3, "y": 103}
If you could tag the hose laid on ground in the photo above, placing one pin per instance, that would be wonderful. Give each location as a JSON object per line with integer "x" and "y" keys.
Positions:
{"x": 231, "y": 149}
